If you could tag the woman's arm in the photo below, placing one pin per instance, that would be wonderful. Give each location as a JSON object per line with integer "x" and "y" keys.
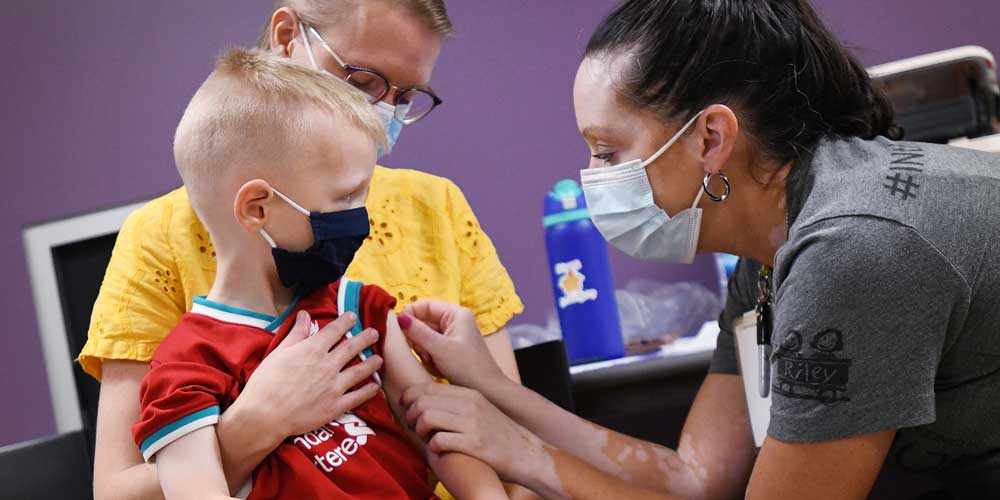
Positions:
{"x": 784, "y": 470}
{"x": 842, "y": 469}
{"x": 119, "y": 471}
{"x": 716, "y": 451}
{"x": 464, "y": 476}
{"x": 269, "y": 409}
{"x": 502, "y": 352}
{"x": 562, "y": 476}
{"x": 714, "y": 460}
{"x": 522, "y": 456}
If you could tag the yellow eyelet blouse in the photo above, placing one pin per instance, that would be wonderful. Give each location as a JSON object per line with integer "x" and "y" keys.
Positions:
{"x": 425, "y": 243}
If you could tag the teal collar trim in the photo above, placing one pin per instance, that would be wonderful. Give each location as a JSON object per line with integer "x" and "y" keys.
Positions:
{"x": 203, "y": 301}
{"x": 230, "y": 314}
{"x": 273, "y": 327}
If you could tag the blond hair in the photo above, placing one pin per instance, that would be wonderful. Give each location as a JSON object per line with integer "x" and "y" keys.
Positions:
{"x": 252, "y": 113}
{"x": 320, "y": 13}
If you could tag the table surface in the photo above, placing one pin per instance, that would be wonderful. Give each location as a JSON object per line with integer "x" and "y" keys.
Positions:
{"x": 680, "y": 356}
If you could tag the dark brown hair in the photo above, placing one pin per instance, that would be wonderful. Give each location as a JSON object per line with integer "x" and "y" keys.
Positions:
{"x": 788, "y": 78}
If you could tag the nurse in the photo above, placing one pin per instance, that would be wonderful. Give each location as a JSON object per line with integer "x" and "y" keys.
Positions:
{"x": 745, "y": 127}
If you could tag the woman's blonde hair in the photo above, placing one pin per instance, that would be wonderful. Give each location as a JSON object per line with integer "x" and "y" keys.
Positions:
{"x": 322, "y": 12}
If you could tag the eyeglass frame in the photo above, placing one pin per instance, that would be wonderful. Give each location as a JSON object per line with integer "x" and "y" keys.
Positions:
{"x": 350, "y": 69}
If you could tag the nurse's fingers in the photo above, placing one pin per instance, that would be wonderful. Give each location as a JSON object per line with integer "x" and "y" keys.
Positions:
{"x": 434, "y": 313}
{"x": 437, "y": 421}
{"x": 440, "y": 403}
{"x": 414, "y": 392}
{"x": 423, "y": 338}
{"x": 444, "y": 442}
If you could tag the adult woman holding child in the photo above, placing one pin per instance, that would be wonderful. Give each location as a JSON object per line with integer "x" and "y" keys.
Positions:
{"x": 164, "y": 258}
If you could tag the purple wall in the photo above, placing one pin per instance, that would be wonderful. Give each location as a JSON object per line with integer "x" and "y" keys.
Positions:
{"x": 91, "y": 92}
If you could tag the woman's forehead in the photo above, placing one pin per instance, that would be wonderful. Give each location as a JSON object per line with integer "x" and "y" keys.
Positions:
{"x": 391, "y": 41}
{"x": 597, "y": 99}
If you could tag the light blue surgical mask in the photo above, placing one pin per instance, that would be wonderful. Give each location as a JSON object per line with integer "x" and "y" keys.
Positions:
{"x": 620, "y": 200}
{"x": 387, "y": 114}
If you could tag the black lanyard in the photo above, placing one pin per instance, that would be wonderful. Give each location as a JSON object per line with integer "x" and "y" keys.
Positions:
{"x": 765, "y": 325}
{"x": 765, "y": 321}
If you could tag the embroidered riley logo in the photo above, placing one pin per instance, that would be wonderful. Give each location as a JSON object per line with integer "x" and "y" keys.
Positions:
{"x": 332, "y": 445}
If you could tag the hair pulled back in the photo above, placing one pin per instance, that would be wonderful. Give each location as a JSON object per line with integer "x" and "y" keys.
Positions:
{"x": 786, "y": 75}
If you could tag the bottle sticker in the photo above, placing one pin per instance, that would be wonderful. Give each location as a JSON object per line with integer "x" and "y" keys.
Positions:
{"x": 571, "y": 283}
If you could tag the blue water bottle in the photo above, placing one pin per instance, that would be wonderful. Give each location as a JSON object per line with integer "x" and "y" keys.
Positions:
{"x": 581, "y": 277}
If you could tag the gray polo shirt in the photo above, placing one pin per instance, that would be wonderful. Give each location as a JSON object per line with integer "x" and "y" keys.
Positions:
{"x": 887, "y": 306}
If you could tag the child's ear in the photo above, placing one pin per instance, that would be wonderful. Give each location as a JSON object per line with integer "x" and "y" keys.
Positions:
{"x": 252, "y": 204}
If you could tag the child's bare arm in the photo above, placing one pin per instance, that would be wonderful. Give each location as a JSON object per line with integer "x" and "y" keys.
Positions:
{"x": 191, "y": 467}
{"x": 465, "y": 477}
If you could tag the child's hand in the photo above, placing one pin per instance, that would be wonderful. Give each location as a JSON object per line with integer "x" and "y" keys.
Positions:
{"x": 282, "y": 394}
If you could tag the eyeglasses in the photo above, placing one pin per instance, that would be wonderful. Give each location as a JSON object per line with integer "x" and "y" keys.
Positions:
{"x": 411, "y": 104}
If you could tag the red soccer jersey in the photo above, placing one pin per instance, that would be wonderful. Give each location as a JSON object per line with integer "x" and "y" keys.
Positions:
{"x": 200, "y": 368}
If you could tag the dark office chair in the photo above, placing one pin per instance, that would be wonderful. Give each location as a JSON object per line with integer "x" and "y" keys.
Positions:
{"x": 50, "y": 468}
{"x": 544, "y": 369}
{"x": 79, "y": 271}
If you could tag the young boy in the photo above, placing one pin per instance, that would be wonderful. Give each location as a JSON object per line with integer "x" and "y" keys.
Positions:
{"x": 262, "y": 139}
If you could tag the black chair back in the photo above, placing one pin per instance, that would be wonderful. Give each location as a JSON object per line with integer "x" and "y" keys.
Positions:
{"x": 545, "y": 369}
{"x": 79, "y": 271}
{"x": 50, "y": 468}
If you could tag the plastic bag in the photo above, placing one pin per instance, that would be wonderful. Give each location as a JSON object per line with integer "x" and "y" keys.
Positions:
{"x": 652, "y": 310}
{"x": 527, "y": 335}
{"x": 651, "y": 313}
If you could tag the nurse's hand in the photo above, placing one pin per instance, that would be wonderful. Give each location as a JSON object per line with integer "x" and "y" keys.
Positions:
{"x": 447, "y": 339}
{"x": 455, "y": 419}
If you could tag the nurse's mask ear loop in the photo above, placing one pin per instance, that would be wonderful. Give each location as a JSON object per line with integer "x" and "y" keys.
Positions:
{"x": 714, "y": 197}
{"x": 674, "y": 139}
{"x": 697, "y": 198}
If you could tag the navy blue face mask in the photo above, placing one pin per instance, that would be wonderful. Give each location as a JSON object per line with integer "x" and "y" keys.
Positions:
{"x": 337, "y": 236}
